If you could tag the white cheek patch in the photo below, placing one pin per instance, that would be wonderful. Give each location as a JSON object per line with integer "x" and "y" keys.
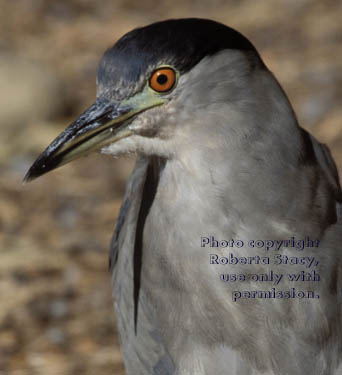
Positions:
{"x": 140, "y": 145}
{"x": 162, "y": 118}
{"x": 123, "y": 146}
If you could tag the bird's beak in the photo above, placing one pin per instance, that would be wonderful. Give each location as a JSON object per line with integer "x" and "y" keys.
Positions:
{"x": 102, "y": 123}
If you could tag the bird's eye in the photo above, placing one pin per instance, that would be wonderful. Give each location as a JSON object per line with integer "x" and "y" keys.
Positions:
{"x": 163, "y": 79}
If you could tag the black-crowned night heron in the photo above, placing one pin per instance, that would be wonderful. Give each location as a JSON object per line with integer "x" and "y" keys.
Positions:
{"x": 226, "y": 258}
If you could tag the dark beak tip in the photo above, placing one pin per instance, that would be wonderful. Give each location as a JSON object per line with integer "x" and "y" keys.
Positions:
{"x": 44, "y": 163}
{"x": 37, "y": 169}
{"x": 30, "y": 175}
{"x": 26, "y": 179}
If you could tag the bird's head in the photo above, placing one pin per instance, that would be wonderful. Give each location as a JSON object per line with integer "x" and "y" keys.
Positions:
{"x": 153, "y": 82}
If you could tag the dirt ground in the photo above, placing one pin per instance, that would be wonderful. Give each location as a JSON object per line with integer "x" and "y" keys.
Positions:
{"x": 56, "y": 314}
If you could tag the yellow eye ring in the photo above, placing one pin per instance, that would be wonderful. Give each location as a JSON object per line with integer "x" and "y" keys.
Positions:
{"x": 163, "y": 79}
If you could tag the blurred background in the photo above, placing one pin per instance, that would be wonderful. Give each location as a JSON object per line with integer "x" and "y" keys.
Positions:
{"x": 56, "y": 314}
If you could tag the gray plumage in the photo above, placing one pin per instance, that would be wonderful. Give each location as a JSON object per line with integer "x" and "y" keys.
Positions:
{"x": 272, "y": 184}
{"x": 223, "y": 157}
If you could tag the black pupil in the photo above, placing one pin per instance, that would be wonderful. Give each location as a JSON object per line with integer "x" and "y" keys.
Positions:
{"x": 162, "y": 79}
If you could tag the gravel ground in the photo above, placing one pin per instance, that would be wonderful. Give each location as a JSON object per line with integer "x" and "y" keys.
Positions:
{"x": 56, "y": 314}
